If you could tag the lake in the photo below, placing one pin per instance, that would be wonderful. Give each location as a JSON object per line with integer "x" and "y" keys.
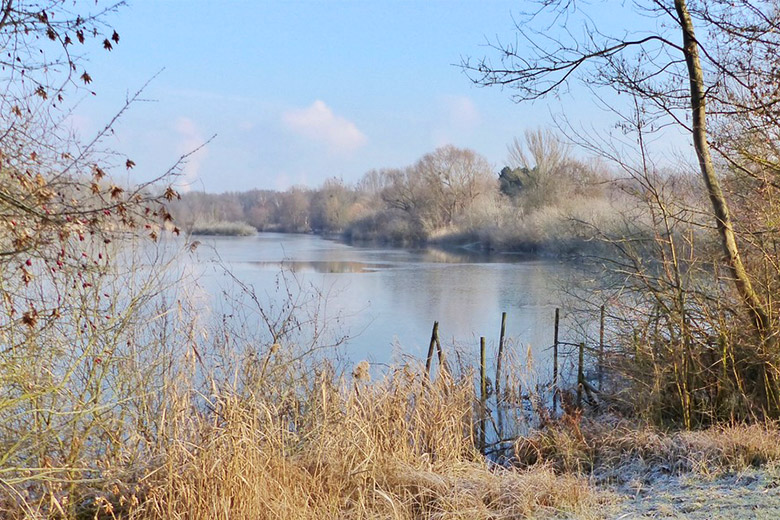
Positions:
{"x": 386, "y": 299}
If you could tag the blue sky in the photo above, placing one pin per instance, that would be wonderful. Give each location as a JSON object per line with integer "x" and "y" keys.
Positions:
{"x": 297, "y": 92}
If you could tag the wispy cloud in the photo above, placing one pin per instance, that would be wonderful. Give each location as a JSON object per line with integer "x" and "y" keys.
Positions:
{"x": 318, "y": 123}
{"x": 189, "y": 139}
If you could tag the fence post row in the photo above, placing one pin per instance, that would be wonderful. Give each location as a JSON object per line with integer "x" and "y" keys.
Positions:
{"x": 582, "y": 384}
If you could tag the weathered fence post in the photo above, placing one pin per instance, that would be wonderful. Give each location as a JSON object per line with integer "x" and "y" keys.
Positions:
{"x": 442, "y": 361}
{"x": 601, "y": 349}
{"x": 483, "y": 394}
{"x": 580, "y": 375}
{"x": 429, "y": 358}
{"x": 555, "y": 363}
{"x": 499, "y": 361}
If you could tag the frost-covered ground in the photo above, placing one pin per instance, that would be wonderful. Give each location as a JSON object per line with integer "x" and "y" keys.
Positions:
{"x": 749, "y": 494}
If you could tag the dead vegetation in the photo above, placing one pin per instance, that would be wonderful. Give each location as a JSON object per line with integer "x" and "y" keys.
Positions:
{"x": 615, "y": 450}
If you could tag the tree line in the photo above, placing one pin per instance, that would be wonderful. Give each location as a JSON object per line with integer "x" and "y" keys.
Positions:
{"x": 449, "y": 194}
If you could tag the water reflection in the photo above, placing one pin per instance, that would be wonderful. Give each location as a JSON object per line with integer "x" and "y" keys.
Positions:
{"x": 322, "y": 266}
{"x": 391, "y": 297}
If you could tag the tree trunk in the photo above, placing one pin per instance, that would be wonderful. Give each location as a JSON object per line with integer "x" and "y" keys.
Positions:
{"x": 749, "y": 297}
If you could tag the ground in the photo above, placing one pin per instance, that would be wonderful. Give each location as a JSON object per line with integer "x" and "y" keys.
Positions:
{"x": 749, "y": 494}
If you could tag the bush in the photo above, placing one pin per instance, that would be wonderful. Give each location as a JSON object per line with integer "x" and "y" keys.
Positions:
{"x": 222, "y": 227}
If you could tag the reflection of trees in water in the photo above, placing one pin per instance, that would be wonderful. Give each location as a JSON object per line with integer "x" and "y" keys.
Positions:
{"x": 328, "y": 267}
{"x": 399, "y": 293}
{"x": 463, "y": 256}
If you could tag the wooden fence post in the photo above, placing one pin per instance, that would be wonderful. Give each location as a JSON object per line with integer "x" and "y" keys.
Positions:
{"x": 580, "y": 375}
{"x": 483, "y": 394}
{"x": 555, "y": 363}
{"x": 497, "y": 384}
{"x": 429, "y": 358}
{"x": 601, "y": 349}
{"x": 443, "y": 367}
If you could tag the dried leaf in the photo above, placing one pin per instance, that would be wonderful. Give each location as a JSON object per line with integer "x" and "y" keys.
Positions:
{"x": 171, "y": 194}
{"x": 30, "y": 318}
{"x": 86, "y": 78}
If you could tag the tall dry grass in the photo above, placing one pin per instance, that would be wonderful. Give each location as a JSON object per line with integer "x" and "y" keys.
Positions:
{"x": 617, "y": 450}
{"x": 164, "y": 411}
{"x": 399, "y": 448}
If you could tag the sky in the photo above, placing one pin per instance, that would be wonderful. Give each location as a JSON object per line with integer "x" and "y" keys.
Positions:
{"x": 295, "y": 92}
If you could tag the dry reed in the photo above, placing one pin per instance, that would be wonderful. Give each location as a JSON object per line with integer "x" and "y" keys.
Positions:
{"x": 399, "y": 448}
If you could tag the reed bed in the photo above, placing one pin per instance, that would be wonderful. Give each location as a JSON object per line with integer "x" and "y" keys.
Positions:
{"x": 399, "y": 448}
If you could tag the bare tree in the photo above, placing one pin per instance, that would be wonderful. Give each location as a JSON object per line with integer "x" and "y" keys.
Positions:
{"x": 674, "y": 74}
{"x": 707, "y": 68}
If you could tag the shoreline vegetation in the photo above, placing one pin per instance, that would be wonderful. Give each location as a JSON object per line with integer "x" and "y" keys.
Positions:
{"x": 546, "y": 202}
{"x": 222, "y": 228}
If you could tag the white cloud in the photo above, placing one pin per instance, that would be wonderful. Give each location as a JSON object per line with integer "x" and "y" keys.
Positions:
{"x": 190, "y": 138}
{"x": 318, "y": 123}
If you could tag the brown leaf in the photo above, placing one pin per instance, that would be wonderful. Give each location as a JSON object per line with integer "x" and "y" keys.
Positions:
{"x": 51, "y": 34}
{"x": 116, "y": 191}
{"x": 171, "y": 194}
{"x": 80, "y": 35}
{"x": 86, "y": 78}
{"x": 67, "y": 40}
{"x": 30, "y": 318}
{"x": 107, "y": 45}
{"x": 40, "y": 91}
{"x": 129, "y": 163}
{"x": 115, "y": 37}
